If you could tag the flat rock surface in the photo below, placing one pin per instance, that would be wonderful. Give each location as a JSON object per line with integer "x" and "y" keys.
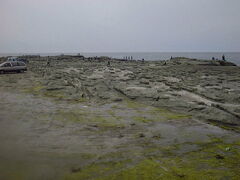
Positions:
{"x": 82, "y": 119}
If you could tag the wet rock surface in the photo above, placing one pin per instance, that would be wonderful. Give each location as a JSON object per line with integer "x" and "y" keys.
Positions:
{"x": 204, "y": 89}
{"x": 84, "y": 119}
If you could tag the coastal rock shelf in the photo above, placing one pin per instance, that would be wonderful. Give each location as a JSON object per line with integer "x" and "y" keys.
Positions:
{"x": 207, "y": 90}
{"x": 76, "y": 118}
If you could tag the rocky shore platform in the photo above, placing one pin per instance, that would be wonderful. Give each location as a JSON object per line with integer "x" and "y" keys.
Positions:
{"x": 69, "y": 117}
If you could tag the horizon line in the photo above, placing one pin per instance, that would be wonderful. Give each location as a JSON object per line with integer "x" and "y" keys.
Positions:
{"x": 120, "y": 52}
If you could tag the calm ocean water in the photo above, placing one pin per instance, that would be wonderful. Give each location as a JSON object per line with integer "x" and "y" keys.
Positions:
{"x": 230, "y": 56}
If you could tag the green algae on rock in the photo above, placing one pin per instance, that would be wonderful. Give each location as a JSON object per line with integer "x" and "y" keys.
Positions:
{"x": 200, "y": 164}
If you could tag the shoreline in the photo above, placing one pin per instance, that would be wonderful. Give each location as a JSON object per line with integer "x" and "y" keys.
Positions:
{"x": 156, "y": 56}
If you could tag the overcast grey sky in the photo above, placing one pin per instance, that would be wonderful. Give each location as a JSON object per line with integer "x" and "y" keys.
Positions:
{"x": 38, "y": 26}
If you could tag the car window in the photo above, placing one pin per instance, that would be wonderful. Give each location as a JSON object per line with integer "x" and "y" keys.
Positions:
{"x": 7, "y": 65}
{"x": 14, "y": 63}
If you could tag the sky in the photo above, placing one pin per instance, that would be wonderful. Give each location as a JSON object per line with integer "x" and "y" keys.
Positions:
{"x": 72, "y": 26}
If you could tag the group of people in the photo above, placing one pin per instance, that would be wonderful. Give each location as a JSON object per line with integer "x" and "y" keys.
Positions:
{"x": 223, "y": 58}
{"x": 128, "y": 58}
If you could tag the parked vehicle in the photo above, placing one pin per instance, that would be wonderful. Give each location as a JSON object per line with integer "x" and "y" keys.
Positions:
{"x": 15, "y": 66}
{"x": 14, "y": 59}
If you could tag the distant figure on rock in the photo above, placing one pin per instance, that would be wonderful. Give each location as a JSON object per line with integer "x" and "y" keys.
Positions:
{"x": 171, "y": 58}
{"x": 143, "y": 59}
{"x": 213, "y": 58}
{"x": 223, "y": 58}
{"x": 108, "y": 64}
{"x": 131, "y": 58}
{"x": 48, "y": 61}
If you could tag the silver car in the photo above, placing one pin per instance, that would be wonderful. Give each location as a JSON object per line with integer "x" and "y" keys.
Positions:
{"x": 15, "y": 66}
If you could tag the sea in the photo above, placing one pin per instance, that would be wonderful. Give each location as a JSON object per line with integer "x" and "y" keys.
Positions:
{"x": 155, "y": 56}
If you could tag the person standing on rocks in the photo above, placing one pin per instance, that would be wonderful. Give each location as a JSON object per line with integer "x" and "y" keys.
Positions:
{"x": 48, "y": 61}
{"x": 223, "y": 58}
